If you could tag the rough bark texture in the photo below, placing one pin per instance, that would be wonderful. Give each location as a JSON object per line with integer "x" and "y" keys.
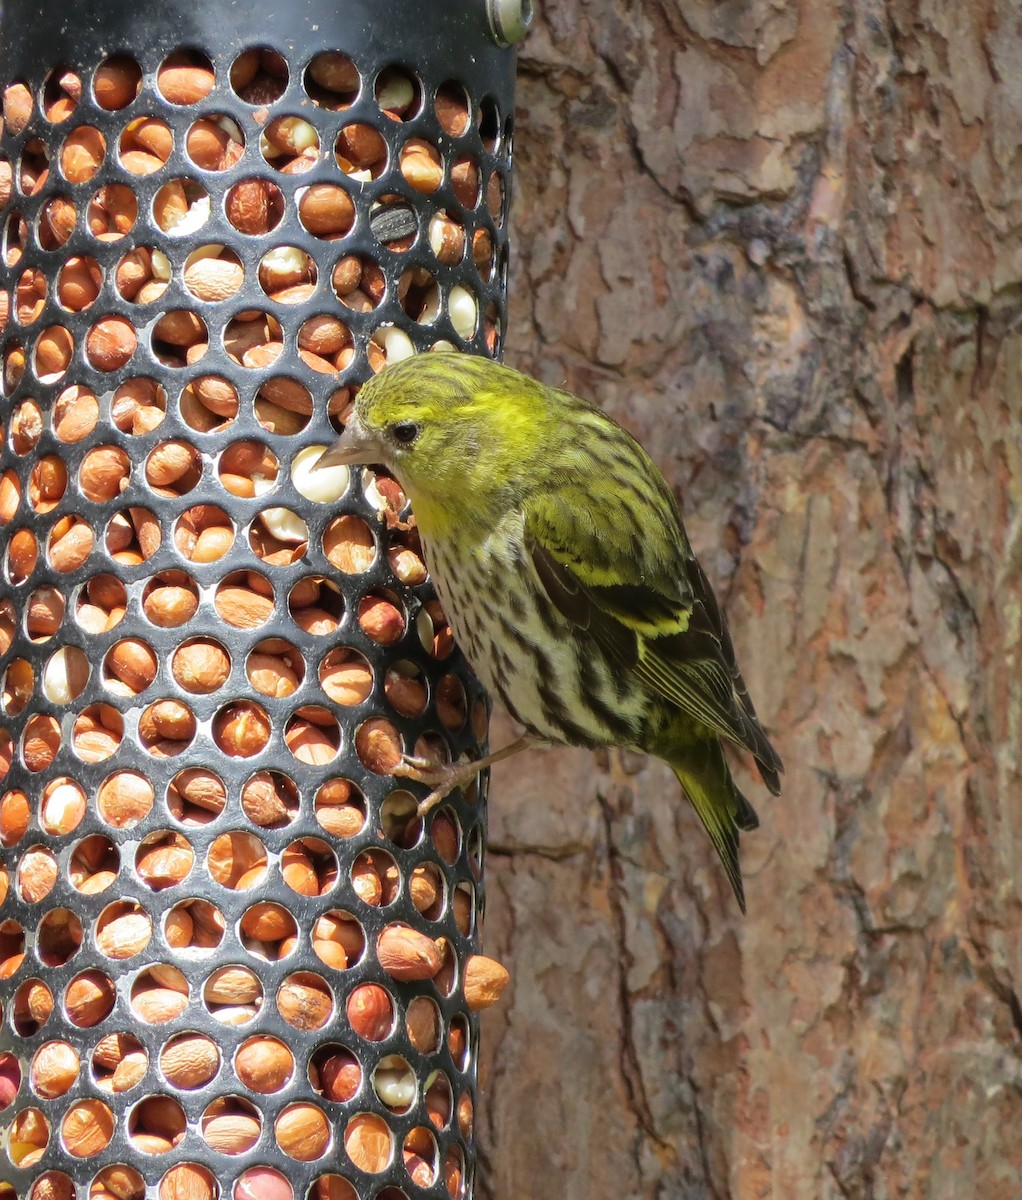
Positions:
{"x": 781, "y": 240}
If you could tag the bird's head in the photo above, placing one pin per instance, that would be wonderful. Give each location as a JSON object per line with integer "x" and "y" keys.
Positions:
{"x": 458, "y": 432}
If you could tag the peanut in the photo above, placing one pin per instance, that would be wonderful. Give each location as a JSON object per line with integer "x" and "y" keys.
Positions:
{"x": 237, "y": 860}
{"x": 166, "y": 727}
{"x": 340, "y": 1076}
{"x": 366, "y": 881}
{"x": 124, "y": 799}
{"x": 263, "y": 1183}
{"x": 54, "y": 1069}
{"x": 216, "y": 394}
{"x": 370, "y": 1012}
{"x": 164, "y": 862}
{"x": 57, "y": 222}
{"x": 304, "y": 1002}
{"x": 37, "y": 873}
{"x": 378, "y": 745}
{"x": 117, "y": 82}
{"x": 395, "y": 93}
{"x": 484, "y": 981}
{"x": 452, "y": 109}
{"x": 22, "y": 555}
{"x": 465, "y": 180}
{"x": 249, "y": 206}
{"x": 153, "y": 135}
{"x": 78, "y": 284}
{"x": 47, "y": 483}
{"x": 336, "y": 812}
{"x": 17, "y": 107}
{"x": 40, "y": 743}
{"x": 133, "y": 663}
{"x": 104, "y": 473}
{"x": 267, "y": 922}
{"x": 201, "y": 666}
{"x": 361, "y": 147}
{"x": 308, "y": 743}
{"x": 173, "y": 463}
{"x": 119, "y": 1062}
{"x": 89, "y": 998}
{"x": 140, "y": 162}
{"x": 87, "y": 1128}
{"x": 334, "y": 71}
{"x": 326, "y": 210}
{"x": 53, "y": 352}
{"x": 190, "y": 1060}
{"x": 10, "y": 1079}
{"x": 31, "y": 297}
{"x": 134, "y": 398}
{"x": 444, "y": 834}
{"x": 369, "y": 1143}
{"x": 91, "y": 854}
{"x": 133, "y": 271}
{"x": 407, "y": 695}
{"x": 241, "y": 729}
{"x": 27, "y": 426}
{"x": 97, "y": 733}
{"x": 422, "y": 166}
{"x": 243, "y": 608}
{"x": 82, "y": 154}
{"x": 264, "y": 1064}
{"x": 112, "y": 212}
{"x": 425, "y": 888}
{"x": 338, "y": 940}
{"x": 123, "y": 930}
{"x": 187, "y": 1181}
{"x": 181, "y": 328}
{"x": 302, "y": 1132}
{"x": 232, "y": 985}
{"x": 110, "y": 343}
{"x": 199, "y": 788}
{"x": 271, "y": 675}
{"x": 157, "y": 1124}
{"x": 266, "y": 802}
{"x": 33, "y": 1005}
{"x": 10, "y": 496}
{"x": 213, "y": 279}
{"x": 230, "y": 1132}
{"x": 182, "y": 79}
{"x": 169, "y": 605}
{"x": 214, "y": 144}
{"x": 407, "y": 954}
{"x": 462, "y": 906}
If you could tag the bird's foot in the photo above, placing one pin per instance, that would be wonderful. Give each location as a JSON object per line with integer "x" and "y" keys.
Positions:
{"x": 443, "y": 778}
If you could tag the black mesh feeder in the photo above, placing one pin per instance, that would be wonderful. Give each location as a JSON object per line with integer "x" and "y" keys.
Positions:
{"x": 235, "y": 964}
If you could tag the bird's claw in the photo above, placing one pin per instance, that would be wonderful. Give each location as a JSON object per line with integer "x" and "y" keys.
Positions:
{"x": 442, "y": 778}
{"x": 422, "y": 770}
{"x": 430, "y": 801}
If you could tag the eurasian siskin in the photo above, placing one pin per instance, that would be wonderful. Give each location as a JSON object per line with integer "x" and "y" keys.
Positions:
{"x": 559, "y": 554}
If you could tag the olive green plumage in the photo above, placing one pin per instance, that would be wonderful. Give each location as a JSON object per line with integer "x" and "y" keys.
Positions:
{"x": 559, "y": 553}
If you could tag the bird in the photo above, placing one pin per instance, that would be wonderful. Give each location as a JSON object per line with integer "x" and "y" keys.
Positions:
{"x": 558, "y": 551}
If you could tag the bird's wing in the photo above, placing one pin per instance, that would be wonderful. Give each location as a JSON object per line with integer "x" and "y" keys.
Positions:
{"x": 649, "y": 606}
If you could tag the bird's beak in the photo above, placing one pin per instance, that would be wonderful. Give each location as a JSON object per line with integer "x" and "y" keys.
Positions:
{"x": 355, "y": 445}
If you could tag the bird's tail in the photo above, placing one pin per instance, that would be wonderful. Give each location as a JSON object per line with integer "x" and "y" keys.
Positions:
{"x": 704, "y": 774}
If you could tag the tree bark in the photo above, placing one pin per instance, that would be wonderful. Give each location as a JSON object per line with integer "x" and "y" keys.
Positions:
{"x": 781, "y": 241}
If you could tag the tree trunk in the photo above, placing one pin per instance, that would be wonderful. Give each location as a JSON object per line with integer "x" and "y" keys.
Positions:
{"x": 781, "y": 240}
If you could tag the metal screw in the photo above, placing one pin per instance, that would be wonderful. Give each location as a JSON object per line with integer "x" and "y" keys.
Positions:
{"x": 510, "y": 19}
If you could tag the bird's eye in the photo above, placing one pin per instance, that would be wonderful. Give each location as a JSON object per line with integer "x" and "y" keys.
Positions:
{"x": 405, "y": 432}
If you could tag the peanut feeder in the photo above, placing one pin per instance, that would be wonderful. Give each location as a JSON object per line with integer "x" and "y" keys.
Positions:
{"x": 233, "y": 961}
